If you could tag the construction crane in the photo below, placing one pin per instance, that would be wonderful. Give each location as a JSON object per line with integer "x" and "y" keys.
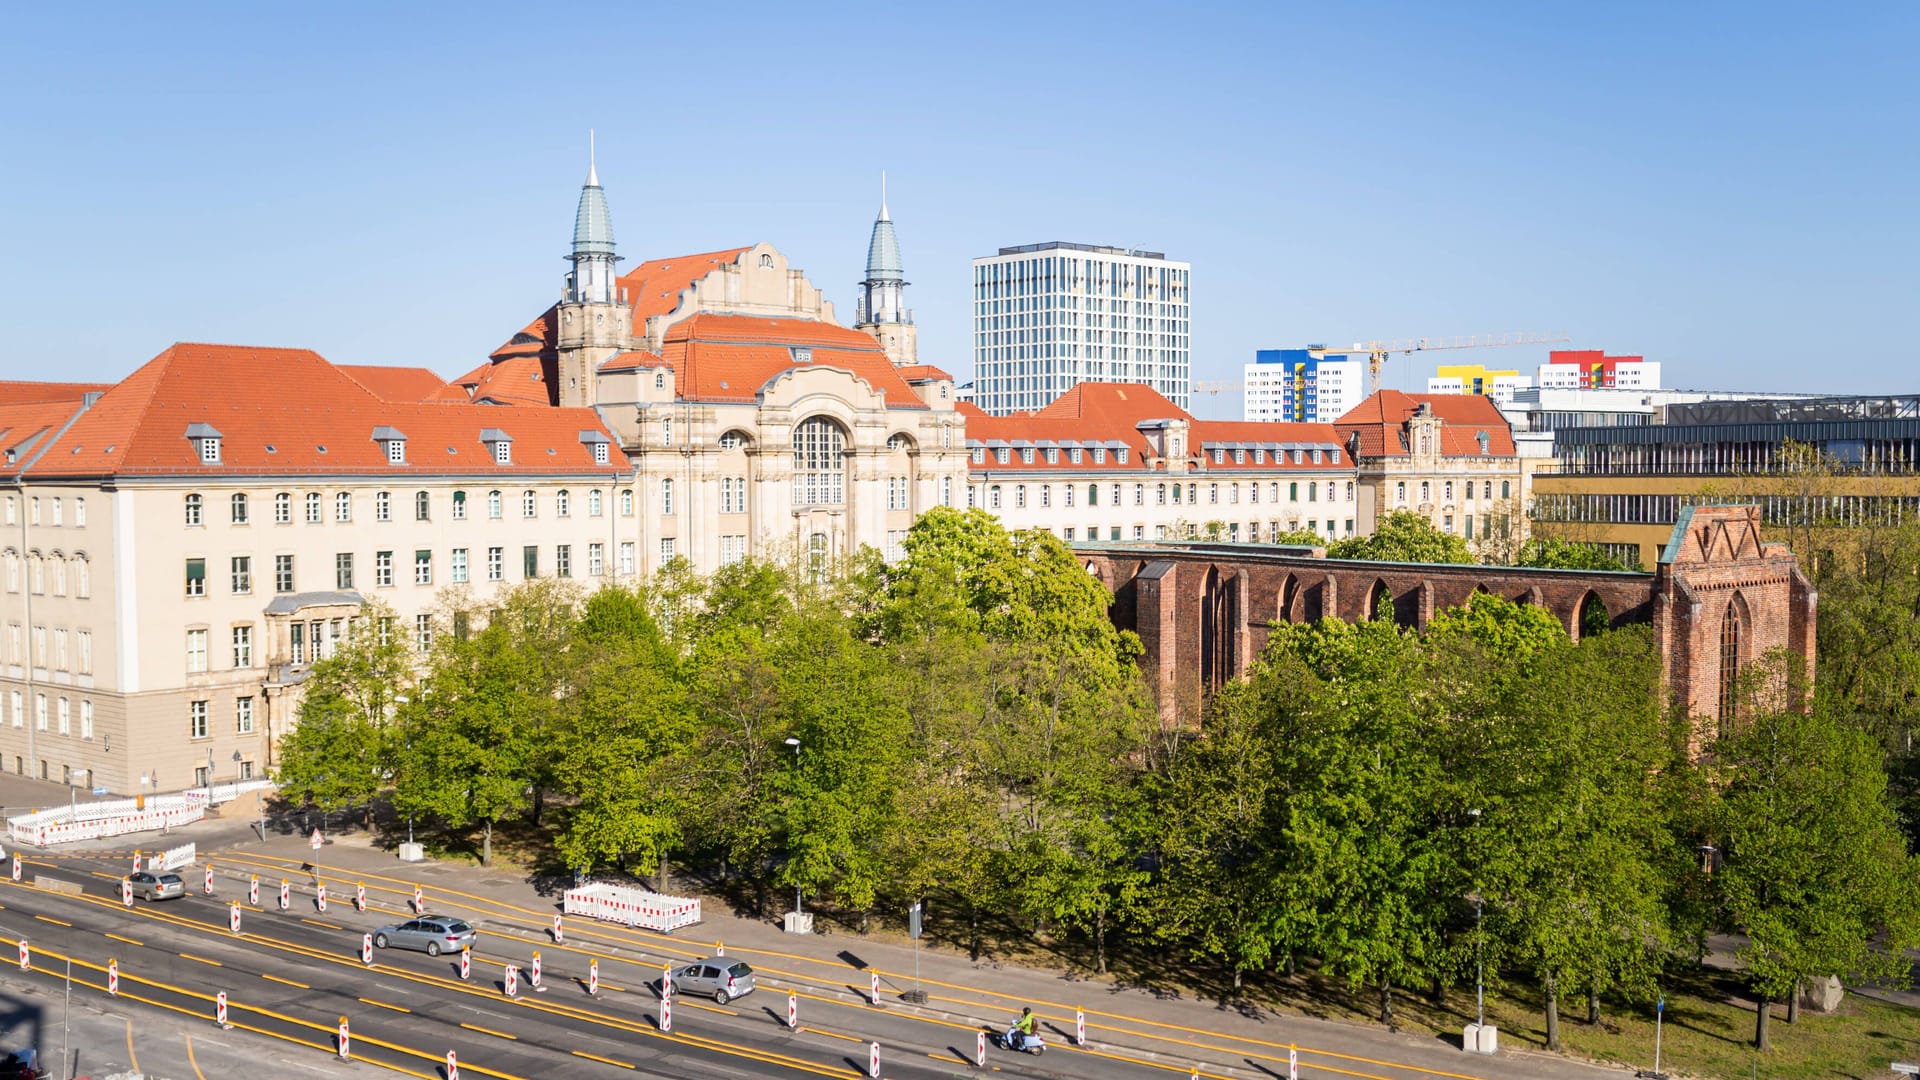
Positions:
{"x": 1378, "y": 351}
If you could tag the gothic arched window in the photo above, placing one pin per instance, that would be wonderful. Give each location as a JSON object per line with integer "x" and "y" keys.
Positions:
{"x": 1729, "y": 663}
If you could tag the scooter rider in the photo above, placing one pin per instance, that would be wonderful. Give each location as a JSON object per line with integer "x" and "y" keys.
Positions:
{"x": 1022, "y": 1028}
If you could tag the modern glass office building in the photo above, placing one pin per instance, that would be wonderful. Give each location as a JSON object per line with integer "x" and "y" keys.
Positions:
{"x": 1047, "y": 317}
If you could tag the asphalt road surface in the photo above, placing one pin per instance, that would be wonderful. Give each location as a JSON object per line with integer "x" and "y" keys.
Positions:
{"x": 290, "y": 977}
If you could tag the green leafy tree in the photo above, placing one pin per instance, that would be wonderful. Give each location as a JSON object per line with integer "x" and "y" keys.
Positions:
{"x": 1403, "y": 536}
{"x": 1815, "y": 874}
{"x": 1557, "y": 554}
{"x": 338, "y": 752}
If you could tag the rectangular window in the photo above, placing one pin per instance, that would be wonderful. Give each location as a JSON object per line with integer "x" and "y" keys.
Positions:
{"x": 563, "y": 560}
{"x": 283, "y": 573}
{"x": 459, "y": 506}
{"x": 65, "y": 712}
{"x": 396, "y": 451}
{"x": 626, "y": 558}
{"x": 596, "y": 559}
{"x": 243, "y": 573}
{"x": 283, "y": 509}
{"x": 197, "y": 719}
{"x": 496, "y": 564}
{"x": 86, "y": 719}
{"x": 40, "y": 712}
{"x": 84, "y": 642}
{"x": 19, "y": 709}
{"x": 530, "y": 562}
{"x": 422, "y": 506}
{"x": 382, "y": 569}
{"x": 343, "y": 507}
{"x": 196, "y": 651}
{"x": 297, "y": 643}
{"x": 493, "y": 506}
{"x": 530, "y": 504}
{"x": 343, "y": 570}
{"x": 666, "y": 497}
{"x": 243, "y": 646}
{"x": 196, "y": 577}
{"x": 423, "y": 631}
{"x": 239, "y": 505}
{"x": 594, "y": 508}
{"x": 458, "y": 569}
{"x": 563, "y": 503}
{"x": 666, "y": 549}
{"x": 313, "y": 508}
{"x": 423, "y": 567}
{"x": 243, "y": 715}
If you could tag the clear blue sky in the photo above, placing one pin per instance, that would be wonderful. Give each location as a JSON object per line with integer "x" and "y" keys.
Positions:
{"x": 1728, "y": 189}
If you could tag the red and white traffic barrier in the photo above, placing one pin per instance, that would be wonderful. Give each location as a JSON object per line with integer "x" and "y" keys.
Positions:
{"x": 558, "y": 937}
{"x": 419, "y": 902}
{"x": 345, "y": 1046}
{"x": 220, "y": 1010}
{"x": 874, "y": 993}
{"x": 126, "y": 892}
{"x": 666, "y": 980}
{"x": 26, "y": 956}
{"x": 793, "y": 1011}
{"x": 466, "y": 963}
{"x": 980, "y": 1050}
{"x": 512, "y": 980}
{"x": 534, "y": 979}
{"x": 593, "y": 976}
{"x": 286, "y": 895}
{"x": 136, "y": 860}
{"x": 360, "y": 897}
{"x": 719, "y": 948}
{"x": 320, "y": 898}
{"x": 16, "y": 866}
{"x": 233, "y": 917}
{"x": 666, "y": 1014}
{"x": 113, "y": 978}
{"x": 453, "y": 1067}
{"x": 366, "y": 949}
{"x": 1079, "y": 1027}
{"x": 873, "y": 1060}
{"x": 253, "y": 890}
{"x": 209, "y": 877}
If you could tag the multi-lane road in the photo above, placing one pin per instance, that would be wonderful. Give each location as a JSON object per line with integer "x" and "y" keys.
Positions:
{"x": 290, "y": 977}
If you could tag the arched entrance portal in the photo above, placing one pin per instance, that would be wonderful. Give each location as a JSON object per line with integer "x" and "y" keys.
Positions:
{"x": 1219, "y": 626}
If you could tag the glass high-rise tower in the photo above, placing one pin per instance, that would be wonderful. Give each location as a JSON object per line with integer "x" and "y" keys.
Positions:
{"x": 1047, "y": 317}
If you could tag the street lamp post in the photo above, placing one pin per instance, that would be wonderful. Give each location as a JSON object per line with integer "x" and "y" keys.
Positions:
{"x": 1479, "y": 964}
{"x": 795, "y": 743}
{"x": 72, "y": 790}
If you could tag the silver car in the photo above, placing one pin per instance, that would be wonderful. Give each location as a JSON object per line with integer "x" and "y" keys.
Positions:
{"x": 157, "y": 886}
{"x": 717, "y": 976}
{"x": 432, "y": 935}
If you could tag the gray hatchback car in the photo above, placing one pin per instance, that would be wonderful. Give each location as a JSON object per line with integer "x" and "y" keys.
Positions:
{"x": 716, "y": 976}
{"x": 433, "y": 935}
{"x": 157, "y": 886}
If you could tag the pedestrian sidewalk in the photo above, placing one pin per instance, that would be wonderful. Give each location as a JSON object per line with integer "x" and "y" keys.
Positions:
{"x": 984, "y": 992}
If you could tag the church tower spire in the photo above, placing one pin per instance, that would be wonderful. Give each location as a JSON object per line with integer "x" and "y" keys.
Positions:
{"x": 882, "y": 309}
{"x": 595, "y": 323}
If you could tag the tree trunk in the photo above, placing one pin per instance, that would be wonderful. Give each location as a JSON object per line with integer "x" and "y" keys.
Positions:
{"x": 1439, "y": 992}
{"x": 1292, "y": 968}
{"x": 1239, "y": 978}
{"x": 1761, "y": 1015}
{"x": 973, "y": 932}
{"x": 486, "y": 842}
{"x": 1593, "y": 1005}
{"x": 539, "y": 803}
{"x": 666, "y": 878}
{"x": 1553, "y": 1014}
{"x": 1100, "y": 941}
{"x": 1386, "y": 1002}
{"x": 1793, "y": 1006}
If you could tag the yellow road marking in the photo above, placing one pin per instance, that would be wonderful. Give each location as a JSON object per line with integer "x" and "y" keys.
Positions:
{"x": 202, "y": 959}
{"x": 490, "y": 1031}
{"x": 321, "y": 925}
{"x": 384, "y": 1005}
{"x": 289, "y": 982}
{"x": 833, "y": 1034}
{"x": 109, "y": 877}
{"x": 131, "y": 1059}
{"x": 192, "y": 1062}
{"x": 710, "y": 1008}
{"x": 56, "y": 922}
{"x": 128, "y": 940}
{"x": 596, "y": 1057}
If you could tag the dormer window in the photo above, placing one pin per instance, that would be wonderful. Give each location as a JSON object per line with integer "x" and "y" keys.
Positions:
{"x": 1099, "y": 455}
{"x": 659, "y": 380}
{"x": 1299, "y": 456}
{"x": 1316, "y": 457}
{"x": 1026, "y": 455}
{"x": 1219, "y": 457}
{"x": 1239, "y": 457}
{"x": 1000, "y": 455}
{"x": 392, "y": 443}
{"x": 206, "y": 442}
{"x": 1120, "y": 455}
{"x": 979, "y": 455}
{"x": 1333, "y": 456}
{"x": 802, "y": 355}
{"x": 1259, "y": 456}
{"x": 597, "y": 445}
{"x": 499, "y": 444}
{"x": 1053, "y": 455}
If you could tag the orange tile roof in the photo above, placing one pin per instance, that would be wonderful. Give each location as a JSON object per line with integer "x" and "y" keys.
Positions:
{"x": 538, "y": 337}
{"x": 513, "y": 380}
{"x": 25, "y": 428}
{"x": 1204, "y": 435}
{"x": 731, "y": 357}
{"x": 285, "y": 412}
{"x": 654, "y": 287}
{"x": 1038, "y": 430}
{"x": 969, "y": 410}
{"x": 395, "y": 383}
{"x": 923, "y": 373}
{"x": 21, "y": 392}
{"x": 1113, "y": 405}
{"x": 1380, "y": 420}
{"x": 633, "y": 361}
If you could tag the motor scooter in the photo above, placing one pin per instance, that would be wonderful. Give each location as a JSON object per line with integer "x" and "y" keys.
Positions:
{"x": 1026, "y": 1044}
